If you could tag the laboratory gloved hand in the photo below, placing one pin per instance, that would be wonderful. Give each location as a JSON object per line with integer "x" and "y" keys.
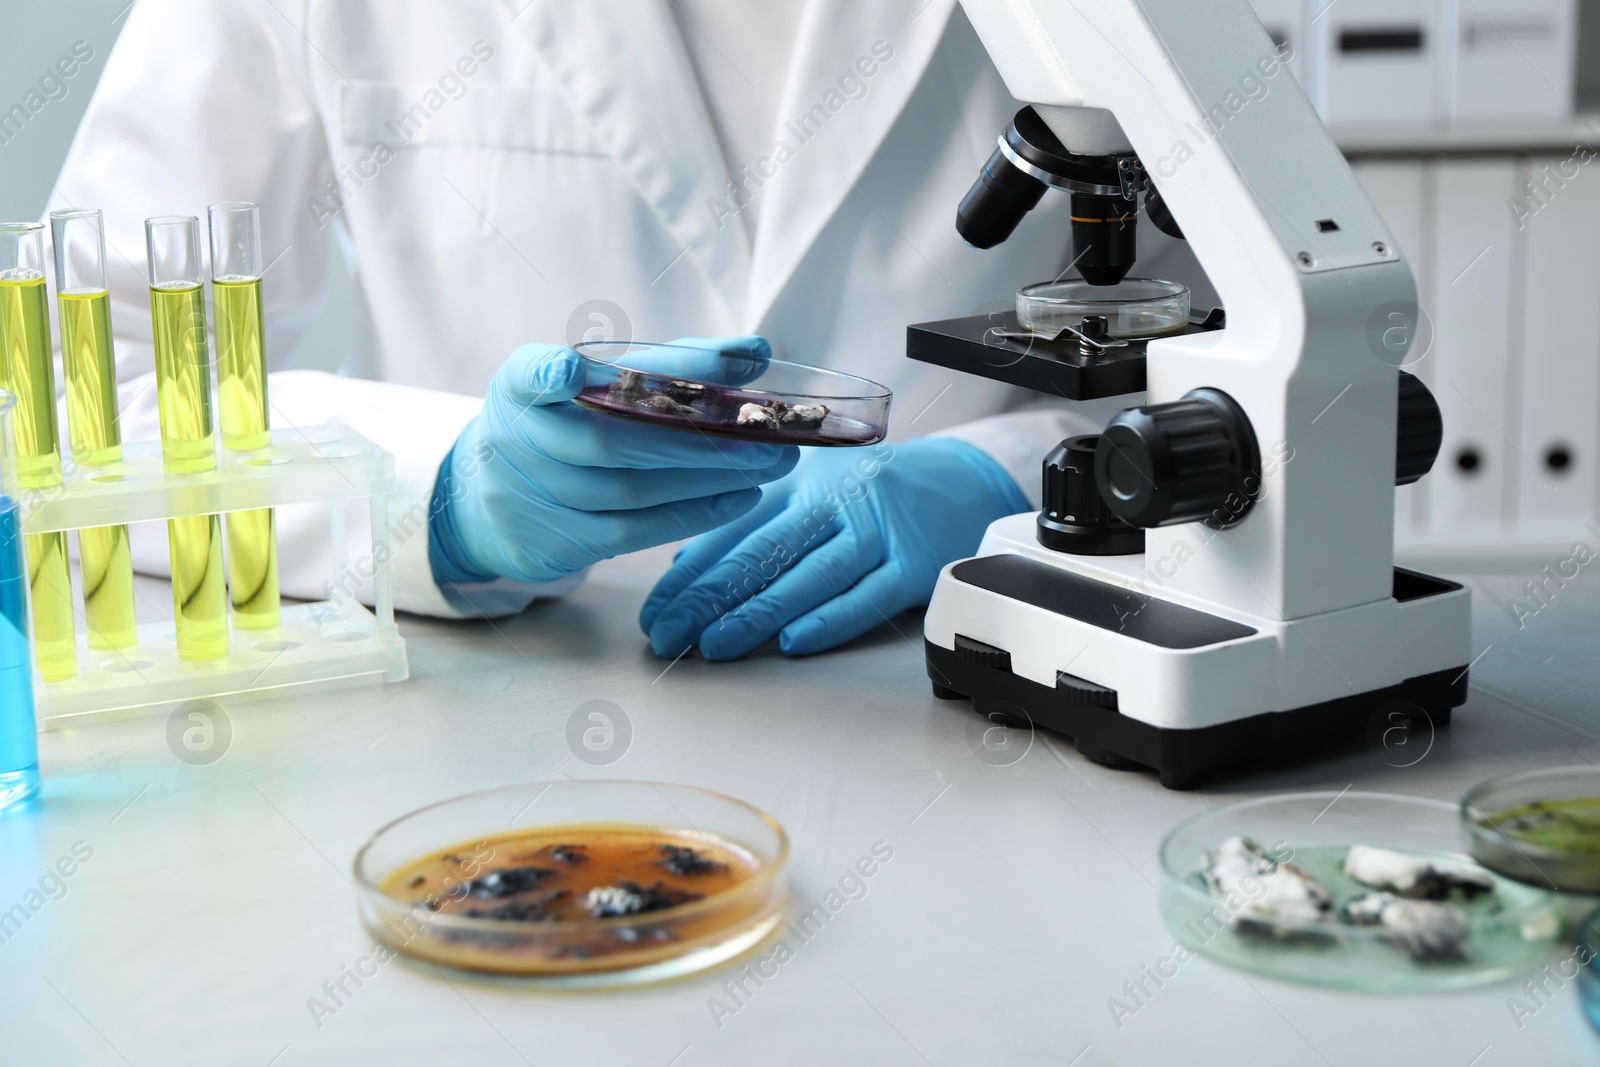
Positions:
{"x": 537, "y": 487}
{"x": 846, "y": 542}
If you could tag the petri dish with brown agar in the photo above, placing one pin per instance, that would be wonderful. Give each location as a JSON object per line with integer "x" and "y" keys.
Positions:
{"x": 576, "y": 883}
{"x": 731, "y": 394}
{"x": 1134, "y": 309}
{"x": 1540, "y": 827}
{"x": 1366, "y": 891}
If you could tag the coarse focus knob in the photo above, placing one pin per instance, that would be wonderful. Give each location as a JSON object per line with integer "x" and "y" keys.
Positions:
{"x": 1194, "y": 459}
{"x": 1074, "y": 518}
{"x": 1420, "y": 431}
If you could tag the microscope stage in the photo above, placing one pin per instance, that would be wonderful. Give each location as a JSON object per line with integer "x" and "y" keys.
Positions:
{"x": 978, "y": 345}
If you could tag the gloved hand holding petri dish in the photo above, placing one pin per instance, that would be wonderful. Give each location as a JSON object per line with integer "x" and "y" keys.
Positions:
{"x": 538, "y": 487}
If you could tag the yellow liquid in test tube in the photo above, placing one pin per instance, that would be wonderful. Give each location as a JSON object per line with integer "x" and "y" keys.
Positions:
{"x": 183, "y": 393}
{"x": 29, "y": 376}
{"x": 242, "y": 399}
{"x": 183, "y": 377}
{"x": 199, "y": 598}
{"x": 241, "y": 365}
{"x": 95, "y": 438}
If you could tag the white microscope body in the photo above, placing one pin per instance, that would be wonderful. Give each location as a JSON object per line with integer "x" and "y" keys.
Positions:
{"x": 1283, "y": 623}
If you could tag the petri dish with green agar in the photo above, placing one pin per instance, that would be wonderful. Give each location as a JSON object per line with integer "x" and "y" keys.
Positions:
{"x": 1540, "y": 827}
{"x": 1543, "y": 828}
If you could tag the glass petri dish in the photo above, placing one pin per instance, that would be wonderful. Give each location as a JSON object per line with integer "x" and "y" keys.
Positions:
{"x": 1540, "y": 827}
{"x": 456, "y": 885}
{"x": 731, "y": 394}
{"x": 1500, "y": 932}
{"x": 1134, "y": 309}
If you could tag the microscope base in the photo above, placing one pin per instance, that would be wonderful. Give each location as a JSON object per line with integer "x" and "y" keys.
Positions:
{"x": 1083, "y": 646}
{"x": 1407, "y": 713}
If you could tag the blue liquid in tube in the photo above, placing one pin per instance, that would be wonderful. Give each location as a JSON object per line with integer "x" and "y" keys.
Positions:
{"x": 19, "y": 748}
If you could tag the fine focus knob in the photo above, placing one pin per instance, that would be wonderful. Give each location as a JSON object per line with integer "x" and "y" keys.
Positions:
{"x": 1194, "y": 459}
{"x": 1420, "y": 433}
{"x": 1074, "y": 518}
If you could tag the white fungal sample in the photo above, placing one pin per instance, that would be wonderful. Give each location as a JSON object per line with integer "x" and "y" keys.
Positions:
{"x": 1414, "y": 876}
{"x": 608, "y": 901}
{"x": 804, "y": 416}
{"x": 666, "y": 405}
{"x": 629, "y": 383}
{"x": 1429, "y": 931}
{"x": 778, "y": 413}
{"x": 757, "y": 415}
{"x": 1264, "y": 895}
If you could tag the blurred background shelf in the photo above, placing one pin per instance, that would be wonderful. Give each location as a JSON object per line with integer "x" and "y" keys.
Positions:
{"x": 1378, "y": 140}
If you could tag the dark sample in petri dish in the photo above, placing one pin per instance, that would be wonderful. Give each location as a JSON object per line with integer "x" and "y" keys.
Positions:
{"x": 732, "y": 395}
{"x": 562, "y": 853}
{"x": 507, "y": 882}
{"x": 595, "y": 873}
{"x": 583, "y": 897}
{"x": 522, "y": 911}
{"x": 631, "y": 898}
{"x": 680, "y": 859}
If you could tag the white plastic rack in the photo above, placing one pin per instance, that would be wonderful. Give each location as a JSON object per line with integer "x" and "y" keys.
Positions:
{"x": 316, "y": 643}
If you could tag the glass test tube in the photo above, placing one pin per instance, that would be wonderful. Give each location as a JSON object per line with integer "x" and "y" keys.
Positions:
{"x": 183, "y": 396}
{"x": 29, "y": 376}
{"x": 19, "y": 749}
{"x": 242, "y": 403}
{"x": 83, "y": 304}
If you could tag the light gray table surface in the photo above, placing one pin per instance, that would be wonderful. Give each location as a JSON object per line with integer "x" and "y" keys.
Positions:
{"x": 1019, "y": 900}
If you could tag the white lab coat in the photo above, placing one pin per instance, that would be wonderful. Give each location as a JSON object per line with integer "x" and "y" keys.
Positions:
{"x": 517, "y": 171}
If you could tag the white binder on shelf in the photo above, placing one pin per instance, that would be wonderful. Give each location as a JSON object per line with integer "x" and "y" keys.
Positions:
{"x": 1472, "y": 297}
{"x": 1375, "y": 62}
{"x": 1559, "y": 394}
{"x": 1510, "y": 59}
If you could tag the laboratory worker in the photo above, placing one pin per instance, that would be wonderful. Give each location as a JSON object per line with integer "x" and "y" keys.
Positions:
{"x": 453, "y": 192}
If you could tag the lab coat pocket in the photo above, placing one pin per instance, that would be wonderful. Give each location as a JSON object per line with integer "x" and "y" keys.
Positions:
{"x": 506, "y": 117}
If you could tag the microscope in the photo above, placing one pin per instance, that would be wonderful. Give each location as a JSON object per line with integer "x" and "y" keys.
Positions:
{"x": 1211, "y": 580}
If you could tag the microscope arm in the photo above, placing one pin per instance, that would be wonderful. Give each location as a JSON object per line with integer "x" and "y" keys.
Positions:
{"x": 1300, "y": 257}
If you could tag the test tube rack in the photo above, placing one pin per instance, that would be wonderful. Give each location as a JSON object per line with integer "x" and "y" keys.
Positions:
{"x": 322, "y": 643}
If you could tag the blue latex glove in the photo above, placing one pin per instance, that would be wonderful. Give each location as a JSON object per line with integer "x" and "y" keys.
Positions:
{"x": 537, "y": 488}
{"x": 850, "y": 539}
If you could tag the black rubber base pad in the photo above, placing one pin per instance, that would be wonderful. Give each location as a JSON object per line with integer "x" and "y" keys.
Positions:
{"x": 1183, "y": 757}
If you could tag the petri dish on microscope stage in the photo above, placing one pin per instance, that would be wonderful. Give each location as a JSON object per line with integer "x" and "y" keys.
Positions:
{"x": 732, "y": 394}
{"x": 1135, "y": 309}
{"x": 575, "y": 883}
